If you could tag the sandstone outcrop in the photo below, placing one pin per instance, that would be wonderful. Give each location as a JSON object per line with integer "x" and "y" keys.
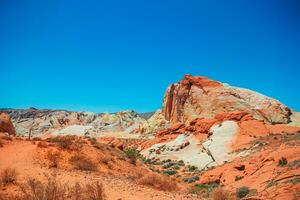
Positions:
{"x": 196, "y": 96}
{"x": 6, "y": 126}
{"x": 61, "y": 122}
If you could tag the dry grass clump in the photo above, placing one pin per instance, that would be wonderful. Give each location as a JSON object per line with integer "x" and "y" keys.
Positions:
{"x": 159, "y": 182}
{"x": 82, "y": 162}
{"x": 53, "y": 189}
{"x": 70, "y": 142}
{"x": 54, "y": 158}
{"x": 8, "y": 176}
{"x": 42, "y": 144}
{"x": 37, "y": 139}
{"x": 221, "y": 194}
{"x": 6, "y": 137}
{"x": 105, "y": 159}
{"x": 34, "y": 189}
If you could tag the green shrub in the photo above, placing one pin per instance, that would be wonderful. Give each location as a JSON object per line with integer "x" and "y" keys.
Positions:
{"x": 192, "y": 168}
{"x": 133, "y": 154}
{"x": 242, "y": 192}
{"x": 191, "y": 179}
{"x": 170, "y": 172}
{"x": 282, "y": 162}
{"x": 168, "y": 165}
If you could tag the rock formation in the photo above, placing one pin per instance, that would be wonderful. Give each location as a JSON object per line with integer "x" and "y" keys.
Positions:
{"x": 196, "y": 96}
{"x": 6, "y": 126}
{"x": 75, "y": 123}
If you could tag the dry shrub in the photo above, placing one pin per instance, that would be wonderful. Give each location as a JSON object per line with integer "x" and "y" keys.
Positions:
{"x": 8, "y": 176}
{"x": 221, "y": 194}
{"x": 34, "y": 189}
{"x": 7, "y": 137}
{"x": 53, "y": 189}
{"x": 70, "y": 142}
{"x": 95, "y": 191}
{"x": 158, "y": 182}
{"x": 54, "y": 158}
{"x": 81, "y": 162}
{"x": 42, "y": 144}
{"x": 104, "y": 159}
{"x": 37, "y": 139}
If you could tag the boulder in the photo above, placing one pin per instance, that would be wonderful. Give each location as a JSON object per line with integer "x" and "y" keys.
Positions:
{"x": 6, "y": 125}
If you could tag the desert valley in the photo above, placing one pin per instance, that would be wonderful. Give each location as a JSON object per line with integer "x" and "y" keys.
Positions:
{"x": 209, "y": 140}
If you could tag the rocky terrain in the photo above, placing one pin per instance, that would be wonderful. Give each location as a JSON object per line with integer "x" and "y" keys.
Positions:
{"x": 209, "y": 141}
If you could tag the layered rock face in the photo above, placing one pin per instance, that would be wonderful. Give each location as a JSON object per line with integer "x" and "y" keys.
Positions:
{"x": 6, "y": 126}
{"x": 40, "y": 122}
{"x": 196, "y": 96}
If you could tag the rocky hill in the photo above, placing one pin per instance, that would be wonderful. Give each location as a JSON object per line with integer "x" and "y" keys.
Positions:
{"x": 196, "y": 96}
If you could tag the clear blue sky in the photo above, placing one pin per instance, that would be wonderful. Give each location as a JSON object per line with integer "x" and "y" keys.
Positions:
{"x": 115, "y": 55}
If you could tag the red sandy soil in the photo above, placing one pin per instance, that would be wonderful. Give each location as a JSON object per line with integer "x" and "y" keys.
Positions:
{"x": 118, "y": 178}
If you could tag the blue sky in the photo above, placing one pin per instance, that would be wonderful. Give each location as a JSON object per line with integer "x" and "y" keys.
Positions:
{"x": 115, "y": 55}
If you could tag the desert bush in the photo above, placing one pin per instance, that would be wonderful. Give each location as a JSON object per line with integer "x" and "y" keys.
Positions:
{"x": 6, "y": 137}
{"x": 192, "y": 168}
{"x": 132, "y": 153}
{"x": 158, "y": 182}
{"x": 237, "y": 178}
{"x": 95, "y": 191}
{"x": 168, "y": 165}
{"x": 52, "y": 189}
{"x": 104, "y": 159}
{"x": 8, "y": 176}
{"x": 54, "y": 158}
{"x": 42, "y": 144}
{"x": 282, "y": 162}
{"x": 92, "y": 140}
{"x": 37, "y": 139}
{"x": 242, "y": 192}
{"x": 66, "y": 142}
{"x": 170, "y": 172}
{"x": 204, "y": 189}
{"x": 221, "y": 194}
{"x": 81, "y": 162}
{"x": 191, "y": 179}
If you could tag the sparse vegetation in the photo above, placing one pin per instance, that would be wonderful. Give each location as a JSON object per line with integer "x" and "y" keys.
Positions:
{"x": 191, "y": 179}
{"x": 70, "y": 142}
{"x": 42, "y": 144}
{"x": 170, "y": 172}
{"x": 82, "y": 162}
{"x": 52, "y": 189}
{"x": 192, "y": 168}
{"x": 54, "y": 158}
{"x": 6, "y": 137}
{"x": 158, "y": 182}
{"x": 242, "y": 192}
{"x": 132, "y": 154}
{"x": 95, "y": 191}
{"x": 204, "y": 189}
{"x": 282, "y": 162}
{"x": 221, "y": 194}
{"x": 36, "y": 139}
{"x": 237, "y": 178}
{"x": 104, "y": 159}
{"x": 8, "y": 176}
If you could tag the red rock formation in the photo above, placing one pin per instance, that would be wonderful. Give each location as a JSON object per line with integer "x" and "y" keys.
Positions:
{"x": 195, "y": 97}
{"x": 6, "y": 125}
